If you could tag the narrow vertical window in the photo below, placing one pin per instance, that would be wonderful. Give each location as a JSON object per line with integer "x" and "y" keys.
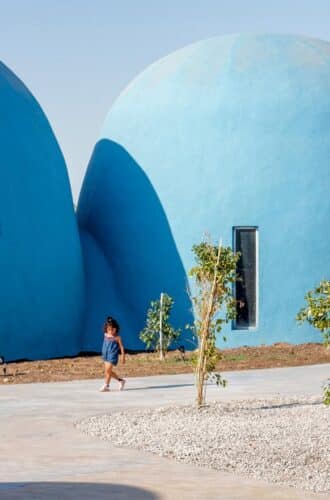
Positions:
{"x": 245, "y": 241}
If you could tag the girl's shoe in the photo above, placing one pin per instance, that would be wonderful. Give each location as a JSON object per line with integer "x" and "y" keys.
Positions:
{"x": 122, "y": 383}
{"x": 105, "y": 388}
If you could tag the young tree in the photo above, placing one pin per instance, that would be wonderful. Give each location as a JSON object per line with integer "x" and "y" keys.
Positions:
{"x": 158, "y": 319}
{"x": 317, "y": 314}
{"x": 214, "y": 305}
{"x": 317, "y": 311}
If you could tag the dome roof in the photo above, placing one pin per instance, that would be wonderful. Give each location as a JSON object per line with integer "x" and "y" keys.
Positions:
{"x": 251, "y": 112}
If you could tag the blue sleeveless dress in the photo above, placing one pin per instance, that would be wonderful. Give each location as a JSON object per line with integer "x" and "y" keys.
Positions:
{"x": 110, "y": 350}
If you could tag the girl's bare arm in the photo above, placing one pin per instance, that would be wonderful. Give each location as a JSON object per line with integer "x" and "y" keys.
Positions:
{"x": 122, "y": 350}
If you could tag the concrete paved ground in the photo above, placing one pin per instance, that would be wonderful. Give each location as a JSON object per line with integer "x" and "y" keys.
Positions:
{"x": 44, "y": 456}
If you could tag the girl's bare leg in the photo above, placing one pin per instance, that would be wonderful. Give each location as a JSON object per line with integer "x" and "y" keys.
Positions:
{"x": 114, "y": 375}
{"x": 121, "y": 381}
{"x": 108, "y": 373}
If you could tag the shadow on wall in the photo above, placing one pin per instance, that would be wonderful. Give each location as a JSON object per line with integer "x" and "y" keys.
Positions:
{"x": 74, "y": 491}
{"x": 129, "y": 251}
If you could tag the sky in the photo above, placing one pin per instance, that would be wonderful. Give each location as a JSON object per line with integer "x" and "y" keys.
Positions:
{"x": 76, "y": 56}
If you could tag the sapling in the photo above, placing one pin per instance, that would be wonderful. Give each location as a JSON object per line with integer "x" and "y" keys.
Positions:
{"x": 214, "y": 305}
{"x": 158, "y": 333}
{"x": 317, "y": 314}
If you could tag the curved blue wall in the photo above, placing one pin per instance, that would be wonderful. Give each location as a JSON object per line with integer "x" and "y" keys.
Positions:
{"x": 227, "y": 132}
{"x": 130, "y": 254}
{"x": 41, "y": 270}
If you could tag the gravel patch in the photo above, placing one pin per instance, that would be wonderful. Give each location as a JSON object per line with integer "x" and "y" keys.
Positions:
{"x": 282, "y": 440}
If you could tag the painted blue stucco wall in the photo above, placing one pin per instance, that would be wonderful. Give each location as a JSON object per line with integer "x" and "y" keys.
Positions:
{"x": 41, "y": 269}
{"x": 230, "y": 131}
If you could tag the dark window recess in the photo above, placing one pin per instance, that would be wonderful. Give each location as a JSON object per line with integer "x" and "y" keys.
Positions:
{"x": 246, "y": 290}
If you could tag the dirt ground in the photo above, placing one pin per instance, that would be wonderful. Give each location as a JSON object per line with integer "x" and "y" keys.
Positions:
{"x": 142, "y": 364}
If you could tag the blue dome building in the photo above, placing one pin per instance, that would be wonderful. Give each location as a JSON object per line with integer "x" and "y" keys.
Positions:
{"x": 42, "y": 278}
{"x": 229, "y": 136}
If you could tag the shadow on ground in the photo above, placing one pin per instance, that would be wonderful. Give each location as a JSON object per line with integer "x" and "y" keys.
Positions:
{"x": 148, "y": 387}
{"x": 52, "y": 490}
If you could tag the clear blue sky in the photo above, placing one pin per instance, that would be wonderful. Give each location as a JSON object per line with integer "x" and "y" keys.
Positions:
{"x": 77, "y": 55}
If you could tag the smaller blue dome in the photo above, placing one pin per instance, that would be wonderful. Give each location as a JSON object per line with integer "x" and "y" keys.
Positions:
{"x": 42, "y": 281}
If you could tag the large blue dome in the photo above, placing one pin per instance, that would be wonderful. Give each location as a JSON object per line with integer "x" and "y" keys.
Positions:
{"x": 230, "y": 132}
{"x": 41, "y": 269}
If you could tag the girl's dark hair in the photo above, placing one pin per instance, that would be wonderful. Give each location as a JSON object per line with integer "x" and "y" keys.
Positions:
{"x": 110, "y": 321}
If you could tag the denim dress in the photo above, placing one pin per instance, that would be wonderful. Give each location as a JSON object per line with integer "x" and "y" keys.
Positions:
{"x": 110, "y": 350}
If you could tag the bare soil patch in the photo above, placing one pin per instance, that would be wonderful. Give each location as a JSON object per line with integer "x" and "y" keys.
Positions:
{"x": 143, "y": 364}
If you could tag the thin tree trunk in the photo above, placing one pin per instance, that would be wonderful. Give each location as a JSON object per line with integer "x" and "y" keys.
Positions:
{"x": 202, "y": 355}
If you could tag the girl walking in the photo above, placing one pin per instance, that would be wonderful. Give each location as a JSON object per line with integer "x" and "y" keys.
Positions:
{"x": 112, "y": 347}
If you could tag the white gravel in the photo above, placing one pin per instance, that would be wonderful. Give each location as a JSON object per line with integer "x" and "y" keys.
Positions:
{"x": 282, "y": 440}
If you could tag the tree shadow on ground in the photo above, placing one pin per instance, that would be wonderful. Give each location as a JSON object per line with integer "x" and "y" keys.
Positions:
{"x": 70, "y": 490}
{"x": 273, "y": 406}
{"x": 288, "y": 405}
